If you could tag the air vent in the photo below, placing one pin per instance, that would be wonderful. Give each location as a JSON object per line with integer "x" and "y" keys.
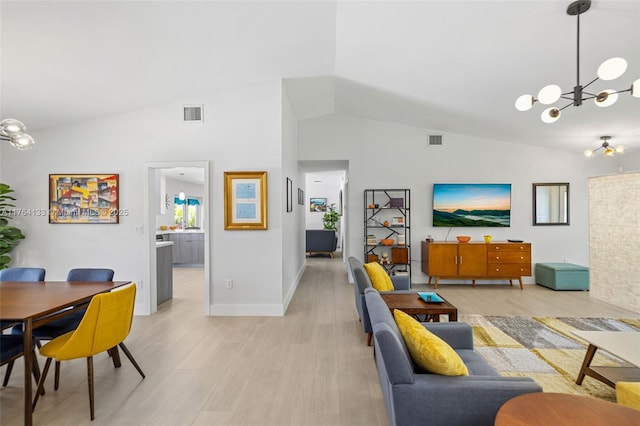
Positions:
{"x": 193, "y": 113}
{"x": 435, "y": 140}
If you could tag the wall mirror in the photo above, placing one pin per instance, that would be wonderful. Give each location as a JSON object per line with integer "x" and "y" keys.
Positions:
{"x": 551, "y": 204}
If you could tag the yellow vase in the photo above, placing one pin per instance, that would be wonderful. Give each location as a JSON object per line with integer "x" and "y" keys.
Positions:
{"x": 487, "y": 239}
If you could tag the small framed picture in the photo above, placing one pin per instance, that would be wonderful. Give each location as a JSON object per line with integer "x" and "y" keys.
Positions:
{"x": 317, "y": 204}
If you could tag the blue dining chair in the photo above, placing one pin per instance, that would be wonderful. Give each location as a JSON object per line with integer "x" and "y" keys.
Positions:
{"x": 11, "y": 348}
{"x": 20, "y": 275}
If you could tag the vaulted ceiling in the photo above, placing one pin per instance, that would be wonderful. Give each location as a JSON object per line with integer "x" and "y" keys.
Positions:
{"x": 450, "y": 66}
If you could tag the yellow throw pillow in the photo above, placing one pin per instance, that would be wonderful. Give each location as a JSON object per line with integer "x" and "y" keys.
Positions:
{"x": 380, "y": 280}
{"x": 427, "y": 350}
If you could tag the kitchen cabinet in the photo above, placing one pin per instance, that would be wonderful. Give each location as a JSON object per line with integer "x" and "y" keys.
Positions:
{"x": 164, "y": 271}
{"x": 188, "y": 247}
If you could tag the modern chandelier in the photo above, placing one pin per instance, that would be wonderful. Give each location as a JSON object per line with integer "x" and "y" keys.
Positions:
{"x": 13, "y": 131}
{"x": 609, "y": 150}
{"x": 609, "y": 70}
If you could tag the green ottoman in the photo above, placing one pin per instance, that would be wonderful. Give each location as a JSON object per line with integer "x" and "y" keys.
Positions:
{"x": 562, "y": 276}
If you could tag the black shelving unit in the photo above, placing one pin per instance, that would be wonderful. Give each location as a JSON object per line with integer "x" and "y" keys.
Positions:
{"x": 387, "y": 217}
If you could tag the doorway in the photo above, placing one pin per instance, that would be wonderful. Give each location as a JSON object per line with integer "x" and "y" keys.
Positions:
{"x": 166, "y": 184}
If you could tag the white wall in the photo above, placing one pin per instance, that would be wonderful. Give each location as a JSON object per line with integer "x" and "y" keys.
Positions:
{"x": 293, "y": 260}
{"x": 241, "y": 131}
{"x": 388, "y": 155}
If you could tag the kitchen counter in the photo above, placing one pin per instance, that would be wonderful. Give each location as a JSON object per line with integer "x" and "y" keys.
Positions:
{"x": 180, "y": 231}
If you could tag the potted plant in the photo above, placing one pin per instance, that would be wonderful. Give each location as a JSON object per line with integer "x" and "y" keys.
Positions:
{"x": 330, "y": 219}
{"x": 10, "y": 236}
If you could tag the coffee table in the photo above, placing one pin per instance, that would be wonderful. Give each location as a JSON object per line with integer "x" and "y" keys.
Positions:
{"x": 414, "y": 305}
{"x": 558, "y": 409}
{"x": 622, "y": 344}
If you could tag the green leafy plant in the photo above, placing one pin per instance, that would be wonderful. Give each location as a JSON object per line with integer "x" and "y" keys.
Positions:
{"x": 10, "y": 236}
{"x": 331, "y": 218}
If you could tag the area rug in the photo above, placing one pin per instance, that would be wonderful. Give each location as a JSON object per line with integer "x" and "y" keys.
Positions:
{"x": 544, "y": 349}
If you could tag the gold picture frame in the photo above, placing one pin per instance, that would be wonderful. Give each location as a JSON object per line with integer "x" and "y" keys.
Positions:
{"x": 245, "y": 201}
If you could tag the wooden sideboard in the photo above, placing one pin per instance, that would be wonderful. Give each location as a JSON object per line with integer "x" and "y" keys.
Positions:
{"x": 474, "y": 261}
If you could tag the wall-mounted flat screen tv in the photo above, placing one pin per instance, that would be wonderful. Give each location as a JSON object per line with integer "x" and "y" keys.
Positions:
{"x": 472, "y": 204}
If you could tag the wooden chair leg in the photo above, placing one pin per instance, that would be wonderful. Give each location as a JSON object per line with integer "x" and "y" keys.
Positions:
{"x": 90, "y": 377}
{"x": 115, "y": 356}
{"x": 7, "y": 374}
{"x": 40, "y": 389}
{"x": 133, "y": 361}
{"x": 56, "y": 382}
{"x": 369, "y": 337}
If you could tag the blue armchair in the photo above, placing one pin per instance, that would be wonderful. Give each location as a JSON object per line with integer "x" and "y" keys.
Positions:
{"x": 401, "y": 283}
{"x": 321, "y": 241}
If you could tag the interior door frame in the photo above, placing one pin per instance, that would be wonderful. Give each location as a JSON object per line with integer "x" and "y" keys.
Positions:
{"x": 151, "y": 193}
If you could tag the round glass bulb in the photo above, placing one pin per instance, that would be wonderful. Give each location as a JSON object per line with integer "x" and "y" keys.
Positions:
{"x": 606, "y": 98}
{"x": 588, "y": 153}
{"x": 11, "y": 126}
{"x": 181, "y": 195}
{"x": 549, "y": 94}
{"x": 609, "y": 152}
{"x": 612, "y": 68}
{"x": 524, "y": 103}
{"x": 619, "y": 149}
{"x": 550, "y": 115}
{"x": 22, "y": 141}
{"x": 635, "y": 88}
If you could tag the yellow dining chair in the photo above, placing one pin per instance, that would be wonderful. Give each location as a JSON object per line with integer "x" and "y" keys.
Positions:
{"x": 105, "y": 325}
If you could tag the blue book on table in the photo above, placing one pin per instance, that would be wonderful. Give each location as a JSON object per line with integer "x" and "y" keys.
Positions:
{"x": 430, "y": 297}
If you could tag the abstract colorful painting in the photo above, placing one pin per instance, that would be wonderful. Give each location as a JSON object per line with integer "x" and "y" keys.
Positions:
{"x": 84, "y": 198}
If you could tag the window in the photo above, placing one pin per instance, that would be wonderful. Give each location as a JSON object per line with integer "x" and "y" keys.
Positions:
{"x": 188, "y": 212}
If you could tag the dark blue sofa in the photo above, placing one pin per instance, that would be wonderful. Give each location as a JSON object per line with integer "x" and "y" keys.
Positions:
{"x": 414, "y": 397}
{"x": 321, "y": 241}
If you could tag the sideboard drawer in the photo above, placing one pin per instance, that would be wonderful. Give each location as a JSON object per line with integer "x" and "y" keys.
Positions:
{"x": 509, "y": 257}
{"x": 509, "y": 270}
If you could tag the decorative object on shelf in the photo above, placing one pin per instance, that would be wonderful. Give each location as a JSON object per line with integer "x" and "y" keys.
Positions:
{"x": 373, "y": 258}
{"x": 385, "y": 259}
{"x": 609, "y": 150}
{"x": 463, "y": 238}
{"x": 385, "y": 223}
{"x": 331, "y": 218}
{"x": 84, "y": 199}
{"x": 487, "y": 239}
{"x": 387, "y": 242}
{"x": 371, "y": 240}
{"x": 13, "y": 131}
{"x": 10, "y": 236}
{"x": 401, "y": 239}
{"x": 317, "y": 204}
{"x": 609, "y": 70}
{"x": 245, "y": 201}
{"x": 400, "y": 255}
{"x": 396, "y": 202}
{"x": 397, "y": 221}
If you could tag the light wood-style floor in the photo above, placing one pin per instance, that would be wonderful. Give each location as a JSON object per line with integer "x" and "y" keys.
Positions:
{"x": 310, "y": 367}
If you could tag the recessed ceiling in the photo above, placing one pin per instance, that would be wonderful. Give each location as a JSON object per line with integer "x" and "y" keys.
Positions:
{"x": 449, "y": 66}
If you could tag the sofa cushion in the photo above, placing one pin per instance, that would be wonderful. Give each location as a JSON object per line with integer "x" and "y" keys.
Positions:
{"x": 628, "y": 394}
{"x": 380, "y": 280}
{"x": 427, "y": 350}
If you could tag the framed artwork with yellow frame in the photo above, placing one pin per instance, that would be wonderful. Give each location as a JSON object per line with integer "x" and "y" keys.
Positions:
{"x": 245, "y": 201}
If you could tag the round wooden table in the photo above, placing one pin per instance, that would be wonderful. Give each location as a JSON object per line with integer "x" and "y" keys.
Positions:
{"x": 541, "y": 408}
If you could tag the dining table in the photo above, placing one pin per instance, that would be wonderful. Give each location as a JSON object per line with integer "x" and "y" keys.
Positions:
{"x": 37, "y": 303}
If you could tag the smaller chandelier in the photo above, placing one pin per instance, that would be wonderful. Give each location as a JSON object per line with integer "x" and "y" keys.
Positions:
{"x": 608, "y": 70}
{"x": 609, "y": 150}
{"x": 13, "y": 131}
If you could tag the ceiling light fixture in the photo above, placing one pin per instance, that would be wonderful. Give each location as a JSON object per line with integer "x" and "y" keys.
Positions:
{"x": 13, "y": 131}
{"x": 609, "y": 70}
{"x": 181, "y": 195}
{"x": 609, "y": 150}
